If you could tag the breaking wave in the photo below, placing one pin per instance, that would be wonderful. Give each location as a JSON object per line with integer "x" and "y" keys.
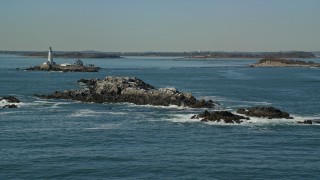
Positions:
{"x": 4, "y": 102}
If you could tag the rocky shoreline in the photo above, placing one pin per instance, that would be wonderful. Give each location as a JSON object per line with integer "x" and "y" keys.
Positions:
{"x": 276, "y": 62}
{"x": 69, "y": 68}
{"x": 130, "y": 90}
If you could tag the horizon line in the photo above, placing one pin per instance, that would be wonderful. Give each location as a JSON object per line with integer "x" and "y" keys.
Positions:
{"x": 190, "y": 51}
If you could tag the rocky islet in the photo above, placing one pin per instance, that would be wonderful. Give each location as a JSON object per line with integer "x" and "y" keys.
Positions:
{"x": 131, "y": 90}
{"x": 268, "y": 112}
{"x": 217, "y": 116}
{"x": 279, "y": 62}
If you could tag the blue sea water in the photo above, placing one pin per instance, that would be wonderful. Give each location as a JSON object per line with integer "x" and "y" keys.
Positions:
{"x": 61, "y": 139}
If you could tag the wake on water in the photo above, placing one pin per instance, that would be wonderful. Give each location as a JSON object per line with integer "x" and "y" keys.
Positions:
{"x": 93, "y": 113}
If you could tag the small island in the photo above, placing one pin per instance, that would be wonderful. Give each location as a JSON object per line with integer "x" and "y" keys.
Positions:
{"x": 277, "y": 62}
{"x": 50, "y": 65}
{"x": 129, "y": 90}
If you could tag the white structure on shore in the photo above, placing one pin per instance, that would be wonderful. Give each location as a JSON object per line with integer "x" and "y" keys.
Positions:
{"x": 50, "y": 58}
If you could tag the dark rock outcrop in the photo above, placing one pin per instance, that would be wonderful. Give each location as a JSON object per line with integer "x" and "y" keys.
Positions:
{"x": 10, "y": 106}
{"x": 218, "y": 116}
{"x": 264, "y": 112}
{"x": 129, "y": 89}
{"x": 308, "y": 122}
{"x": 305, "y": 122}
{"x": 10, "y": 99}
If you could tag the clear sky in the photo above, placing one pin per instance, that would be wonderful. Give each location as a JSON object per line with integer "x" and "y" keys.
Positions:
{"x": 160, "y": 25}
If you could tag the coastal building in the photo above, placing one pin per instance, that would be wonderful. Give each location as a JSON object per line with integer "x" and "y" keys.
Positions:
{"x": 78, "y": 62}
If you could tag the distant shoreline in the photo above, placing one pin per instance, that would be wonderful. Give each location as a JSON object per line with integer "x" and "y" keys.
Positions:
{"x": 193, "y": 55}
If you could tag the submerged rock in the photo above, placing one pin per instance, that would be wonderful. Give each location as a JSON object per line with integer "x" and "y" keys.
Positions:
{"x": 218, "y": 116}
{"x": 129, "y": 89}
{"x": 264, "y": 112}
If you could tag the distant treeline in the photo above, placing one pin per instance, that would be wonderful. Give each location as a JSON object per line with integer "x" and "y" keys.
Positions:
{"x": 204, "y": 54}
{"x": 291, "y": 54}
{"x": 294, "y": 54}
{"x": 71, "y": 55}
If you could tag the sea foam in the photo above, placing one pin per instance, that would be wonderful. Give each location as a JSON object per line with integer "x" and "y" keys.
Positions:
{"x": 93, "y": 113}
{"x": 4, "y": 102}
{"x": 106, "y": 126}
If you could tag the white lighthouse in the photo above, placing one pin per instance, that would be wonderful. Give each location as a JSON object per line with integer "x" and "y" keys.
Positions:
{"x": 50, "y": 58}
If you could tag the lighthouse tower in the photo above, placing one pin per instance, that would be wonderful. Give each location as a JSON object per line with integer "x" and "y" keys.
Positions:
{"x": 50, "y": 58}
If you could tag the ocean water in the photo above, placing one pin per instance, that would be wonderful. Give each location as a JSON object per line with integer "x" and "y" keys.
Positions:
{"x": 61, "y": 139}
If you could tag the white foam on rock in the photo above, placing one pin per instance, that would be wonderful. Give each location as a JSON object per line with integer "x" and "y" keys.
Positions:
{"x": 5, "y": 102}
{"x": 183, "y": 118}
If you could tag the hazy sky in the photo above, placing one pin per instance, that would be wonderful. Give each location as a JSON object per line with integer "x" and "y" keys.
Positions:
{"x": 160, "y": 25}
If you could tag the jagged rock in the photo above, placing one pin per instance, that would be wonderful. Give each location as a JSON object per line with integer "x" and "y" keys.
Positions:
{"x": 305, "y": 122}
{"x": 308, "y": 122}
{"x": 265, "y": 112}
{"x": 129, "y": 89}
{"x": 7, "y": 100}
{"x": 218, "y": 116}
{"x": 10, "y": 99}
